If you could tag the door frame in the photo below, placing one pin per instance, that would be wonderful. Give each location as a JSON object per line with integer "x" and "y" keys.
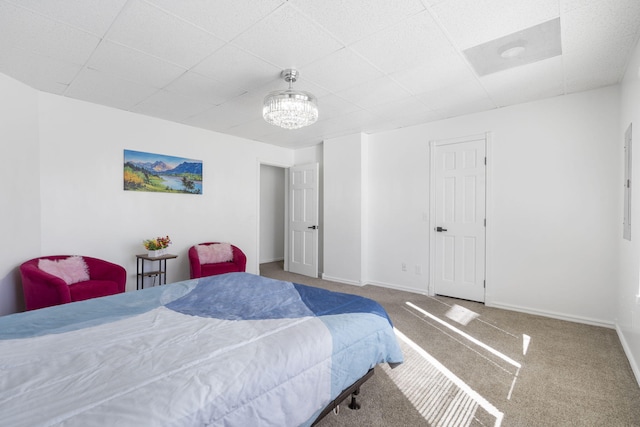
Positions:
{"x": 487, "y": 136}
{"x": 286, "y": 167}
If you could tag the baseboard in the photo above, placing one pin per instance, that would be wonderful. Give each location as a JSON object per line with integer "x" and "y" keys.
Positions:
{"x": 629, "y": 354}
{"x": 340, "y": 280}
{"x": 271, "y": 260}
{"x": 553, "y": 315}
{"x": 398, "y": 287}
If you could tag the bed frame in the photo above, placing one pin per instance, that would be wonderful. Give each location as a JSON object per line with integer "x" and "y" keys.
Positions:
{"x": 352, "y": 390}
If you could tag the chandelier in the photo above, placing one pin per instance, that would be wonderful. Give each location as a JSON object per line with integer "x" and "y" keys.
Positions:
{"x": 290, "y": 109}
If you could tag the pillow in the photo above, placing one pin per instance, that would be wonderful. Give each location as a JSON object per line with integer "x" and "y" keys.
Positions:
{"x": 71, "y": 270}
{"x": 218, "y": 252}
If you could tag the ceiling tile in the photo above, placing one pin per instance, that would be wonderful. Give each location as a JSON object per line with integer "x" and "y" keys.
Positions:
{"x": 459, "y": 100}
{"x": 27, "y": 67}
{"x": 598, "y": 23}
{"x": 458, "y": 108}
{"x": 298, "y": 138}
{"x": 418, "y": 118}
{"x": 170, "y": 106}
{"x": 340, "y": 70}
{"x": 101, "y": 88}
{"x": 473, "y": 22}
{"x": 232, "y": 65}
{"x": 350, "y": 20}
{"x": 22, "y": 29}
{"x": 344, "y": 124}
{"x": 133, "y": 65}
{"x": 542, "y": 79}
{"x": 397, "y": 110}
{"x": 94, "y": 16}
{"x": 414, "y": 41}
{"x": 433, "y": 75}
{"x": 155, "y": 32}
{"x": 287, "y": 39}
{"x": 203, "y": 89}
{"x": 254, "y": 129}
{"x": 358, "y": 121}
{"x": 332, "y": 105}
{"x": 224, "y": 18}
{"x": 400, "y": 61}
{"x": 457, "y": 96}
{"x": 277, "y": 83}
{"x": 375, "y": 92}
{"x": 244, "y": 108}
{"x": 606, "y": 64}
{"x": 214, "y": 119}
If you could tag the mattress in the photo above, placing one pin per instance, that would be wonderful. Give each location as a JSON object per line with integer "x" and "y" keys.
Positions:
{"x": 229, "y": 350}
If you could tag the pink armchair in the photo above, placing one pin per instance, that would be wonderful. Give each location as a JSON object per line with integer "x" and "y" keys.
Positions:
{"x": 42, "y": 289}
{"x": 238, "y": 264}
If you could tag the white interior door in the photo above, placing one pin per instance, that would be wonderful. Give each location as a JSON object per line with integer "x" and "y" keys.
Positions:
{"x": 303, "y": 220}
{"x": 459, "y": 197}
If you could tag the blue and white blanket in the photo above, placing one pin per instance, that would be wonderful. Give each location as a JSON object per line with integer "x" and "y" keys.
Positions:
{"x": 229, "y": 350}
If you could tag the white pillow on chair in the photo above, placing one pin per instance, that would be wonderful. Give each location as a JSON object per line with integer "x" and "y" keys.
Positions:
{"x": 71, "y": 270}
{"x": 217, "y": 252}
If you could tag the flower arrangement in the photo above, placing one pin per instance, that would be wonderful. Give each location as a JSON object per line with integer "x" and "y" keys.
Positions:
{"x": 157, "y": 243}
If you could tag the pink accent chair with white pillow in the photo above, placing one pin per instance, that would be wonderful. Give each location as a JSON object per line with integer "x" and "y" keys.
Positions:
{"x": 74, "y": 279}
{"x": 212, "y": 258}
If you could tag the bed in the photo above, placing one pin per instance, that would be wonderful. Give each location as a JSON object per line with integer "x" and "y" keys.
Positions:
{"x": 233, "y": 350}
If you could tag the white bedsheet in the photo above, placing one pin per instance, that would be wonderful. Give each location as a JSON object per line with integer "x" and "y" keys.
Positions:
{"x": 208, "y": 366}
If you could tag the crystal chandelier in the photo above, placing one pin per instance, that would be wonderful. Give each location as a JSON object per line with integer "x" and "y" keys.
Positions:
{"x": 290, "y": 109}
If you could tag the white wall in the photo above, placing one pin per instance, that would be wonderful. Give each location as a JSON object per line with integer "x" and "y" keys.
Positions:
{"x": 272, "y": 213}
{"x": 627, "y": 303}
{"x": 554, "y": 213}
{"x": 344, "y": 219}
{"x": 398, "y": 175}
{"x": 20, "y": 190}
{"x": 83, "y": 208}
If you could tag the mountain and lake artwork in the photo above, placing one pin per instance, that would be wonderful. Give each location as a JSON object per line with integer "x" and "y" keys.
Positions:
{"x": 161, "y": 173}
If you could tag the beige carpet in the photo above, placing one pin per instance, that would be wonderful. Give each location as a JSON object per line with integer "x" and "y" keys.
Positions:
{"x": 471, "y": 365}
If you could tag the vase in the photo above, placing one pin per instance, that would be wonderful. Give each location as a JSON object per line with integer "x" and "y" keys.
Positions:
{"x": 157, "y": 253}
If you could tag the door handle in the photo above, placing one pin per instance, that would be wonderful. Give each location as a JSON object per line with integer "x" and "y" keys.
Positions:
{"x": 313, "y": 227}
{"x": 440, "y": 229}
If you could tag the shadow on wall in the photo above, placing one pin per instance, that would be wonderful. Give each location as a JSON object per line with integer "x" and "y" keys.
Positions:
{"x": 11, "y": 289}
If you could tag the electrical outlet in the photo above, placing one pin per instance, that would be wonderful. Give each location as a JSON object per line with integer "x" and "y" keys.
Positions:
{"x": 404, "y": 266}
{"x": 418, "y": 270}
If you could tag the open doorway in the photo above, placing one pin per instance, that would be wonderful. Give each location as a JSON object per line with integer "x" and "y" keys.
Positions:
{"x": 272, "y": 214}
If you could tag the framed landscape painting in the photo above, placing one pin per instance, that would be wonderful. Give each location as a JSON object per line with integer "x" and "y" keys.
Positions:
{"x": 161, "y": 173}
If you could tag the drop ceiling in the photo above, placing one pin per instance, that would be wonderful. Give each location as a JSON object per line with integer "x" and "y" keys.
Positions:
{"x": 374, "y": 65}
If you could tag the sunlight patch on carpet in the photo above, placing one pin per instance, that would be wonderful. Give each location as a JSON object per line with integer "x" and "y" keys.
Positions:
{"x": 526, "y": 339}
{"x": 467, "y": 336}
{"x": 460, "y": 314}
{"x": 443, "y": 399}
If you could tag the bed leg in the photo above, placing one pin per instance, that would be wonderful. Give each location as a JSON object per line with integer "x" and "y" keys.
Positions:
{"x": 354, "y": 404}
{"x": 352, "y": 390}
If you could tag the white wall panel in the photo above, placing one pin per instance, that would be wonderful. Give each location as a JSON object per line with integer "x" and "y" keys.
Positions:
{"x": 628, "y": 303}
{"x": 20, "y": 189}
{"x": 343, "y": 209}
{"x": 555, "y": 207}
